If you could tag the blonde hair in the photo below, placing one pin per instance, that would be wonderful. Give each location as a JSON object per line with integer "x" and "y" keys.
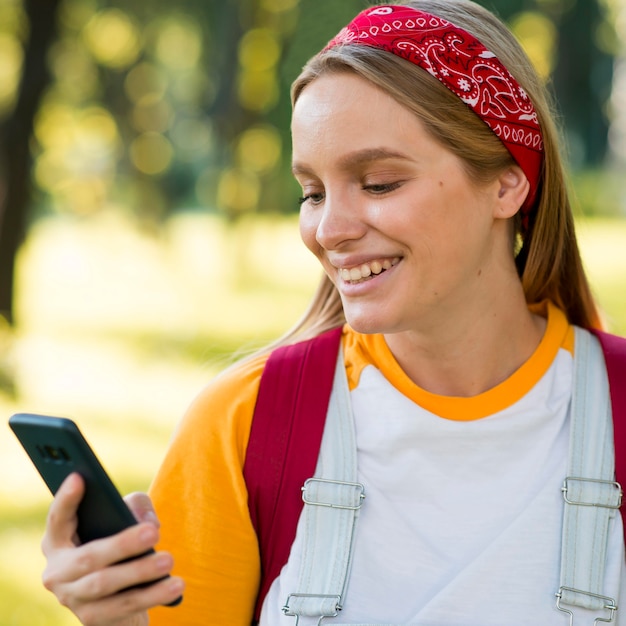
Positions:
{"x": 548, "y": 263}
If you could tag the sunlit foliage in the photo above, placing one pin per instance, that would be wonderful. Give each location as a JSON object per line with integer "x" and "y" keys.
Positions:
{"x": 13, "y": 32}
{"x": 113, "y": 38}
{"x": 156, "y": 106}
{"x": 79, "y": 149}
{"x": 538, "y": 35}
{"x": 259, "y": 149}
{"x": 146, "y": 82}
{"x": 259, "y": 53}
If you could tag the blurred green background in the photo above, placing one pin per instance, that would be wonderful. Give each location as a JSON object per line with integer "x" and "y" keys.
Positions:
{"x": 148, "y": 227}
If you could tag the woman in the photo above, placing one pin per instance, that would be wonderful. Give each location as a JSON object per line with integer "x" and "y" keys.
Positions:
{"x": 435, "y": 200}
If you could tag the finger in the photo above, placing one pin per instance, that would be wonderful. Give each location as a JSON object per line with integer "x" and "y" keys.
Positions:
{"x": 66, "y": 567}
{"x": 132, "y": 602}
{"x": 103, "y": 553}
{"x": 121, "y": 577}
{"x": 62, "y": 520}
{"x": 141, "y": 506}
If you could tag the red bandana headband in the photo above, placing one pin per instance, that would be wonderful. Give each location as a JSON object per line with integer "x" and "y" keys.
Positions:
{"x": 463, "y": 64}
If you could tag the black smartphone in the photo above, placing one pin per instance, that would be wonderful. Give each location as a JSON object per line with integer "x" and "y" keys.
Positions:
{"x": 57, "y": 448}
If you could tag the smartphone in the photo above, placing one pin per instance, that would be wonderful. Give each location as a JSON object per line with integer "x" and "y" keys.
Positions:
{"x": 57, "y": 448}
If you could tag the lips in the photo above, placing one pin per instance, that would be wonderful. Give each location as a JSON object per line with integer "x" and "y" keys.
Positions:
{"x": 368, "y": 270}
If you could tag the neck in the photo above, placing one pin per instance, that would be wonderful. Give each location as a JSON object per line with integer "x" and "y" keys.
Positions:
{"x": 468, "y": 352}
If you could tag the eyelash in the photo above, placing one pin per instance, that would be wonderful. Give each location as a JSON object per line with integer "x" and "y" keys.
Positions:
{"x": 382, "y": 188}
{"x": 311, "y": 196}
{"x": 379, "y": 189}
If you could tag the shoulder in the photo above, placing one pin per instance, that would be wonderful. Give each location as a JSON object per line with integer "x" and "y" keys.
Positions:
{"x": 209, "y": 443}
{"x": 201, "y": 499}
{"x": 237, "y": 384}
{"x": 225, "y": 406}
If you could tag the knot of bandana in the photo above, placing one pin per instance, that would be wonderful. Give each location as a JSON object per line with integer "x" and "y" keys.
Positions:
{"x": 465, "y": 66}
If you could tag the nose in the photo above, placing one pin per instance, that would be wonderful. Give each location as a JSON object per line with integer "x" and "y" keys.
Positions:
{"x": 340, "y": 221}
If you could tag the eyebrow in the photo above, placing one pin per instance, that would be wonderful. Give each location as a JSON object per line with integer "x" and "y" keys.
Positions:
{"x": 358, "y": 157}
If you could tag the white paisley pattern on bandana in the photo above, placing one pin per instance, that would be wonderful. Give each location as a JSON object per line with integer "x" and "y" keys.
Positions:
{"x": 465, "y": 66}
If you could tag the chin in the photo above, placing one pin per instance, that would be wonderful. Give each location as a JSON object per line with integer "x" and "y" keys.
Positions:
{"x": 367, "y": 325}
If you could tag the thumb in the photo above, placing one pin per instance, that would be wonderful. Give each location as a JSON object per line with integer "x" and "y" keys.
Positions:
{"x": 141, "y": 506}
{"x": 62, "y": 520}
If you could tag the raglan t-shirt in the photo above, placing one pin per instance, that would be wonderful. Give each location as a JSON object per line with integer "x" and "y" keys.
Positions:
{"x": 461, "y": 525}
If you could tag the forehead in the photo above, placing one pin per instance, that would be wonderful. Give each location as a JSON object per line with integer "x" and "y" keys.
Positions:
{"x": 341, "y": 93}
{"x": 346, "y": 110}
{"x": 339, "y": 115}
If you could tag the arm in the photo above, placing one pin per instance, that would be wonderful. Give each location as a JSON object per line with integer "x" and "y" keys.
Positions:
{"x": 201, "y": 499}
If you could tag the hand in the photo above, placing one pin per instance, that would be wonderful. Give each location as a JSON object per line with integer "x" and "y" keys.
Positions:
{"x": 90, "y": 579}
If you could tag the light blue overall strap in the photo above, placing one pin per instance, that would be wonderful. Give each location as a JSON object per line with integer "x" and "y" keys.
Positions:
{"x": 591, "y": 497}
{"x": 332, "y": 500}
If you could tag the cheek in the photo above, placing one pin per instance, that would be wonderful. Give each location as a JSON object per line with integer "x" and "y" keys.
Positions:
{"x": 308, "y": 230}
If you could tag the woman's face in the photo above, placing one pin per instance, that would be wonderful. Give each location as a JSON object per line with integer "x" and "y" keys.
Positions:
{"x": 391, "y": 214}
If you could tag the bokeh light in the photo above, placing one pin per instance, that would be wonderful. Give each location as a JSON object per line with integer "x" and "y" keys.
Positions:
{"x": 259, "y": 149}
{"x": 178, "y": 43}
{"x": 113, "y": 38}
{"x": 238, "y": 191}
{"x": 193, "y": 138}
{"x": 74, "y": 70}
{"x": 11, "y": 56}
{"x": 258, "y": 91}
{"x": 78, "y": 154}
{"x": 192, "y": 87}
{"x": 152, "y": 113}
{"x": 143, "y": 80}
{"x": 278, "y": 6}
{"x": 151, "y": 153}
{"x": 538, "y": 35}
{"x": 259, "y": 51}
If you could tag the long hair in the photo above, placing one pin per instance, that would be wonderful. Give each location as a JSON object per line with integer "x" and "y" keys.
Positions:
{"x": 548, "y": 259}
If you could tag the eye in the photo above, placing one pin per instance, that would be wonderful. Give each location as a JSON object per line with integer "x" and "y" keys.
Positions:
{"x": 382, "y": 188}
{"x": 312, "y": 198}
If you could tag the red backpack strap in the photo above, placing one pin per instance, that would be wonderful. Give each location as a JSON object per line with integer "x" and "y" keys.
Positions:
{"x": 614, "y": 349}
{"x": 285, "y": 439}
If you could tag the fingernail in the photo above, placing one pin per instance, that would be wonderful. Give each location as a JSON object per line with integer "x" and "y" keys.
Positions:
{"x": 164, "y": 562}
{"x": 150, "y": 517}
{"x": 148, "y": 534}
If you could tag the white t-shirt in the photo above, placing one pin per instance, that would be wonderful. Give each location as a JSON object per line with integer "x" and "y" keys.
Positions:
{"x": 461, "y": 525}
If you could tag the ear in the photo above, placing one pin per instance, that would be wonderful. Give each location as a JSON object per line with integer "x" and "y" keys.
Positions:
{"x": 512, "y": 189}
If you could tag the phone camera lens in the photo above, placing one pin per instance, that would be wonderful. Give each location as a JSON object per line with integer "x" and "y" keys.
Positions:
{"x": 58, "y": 455}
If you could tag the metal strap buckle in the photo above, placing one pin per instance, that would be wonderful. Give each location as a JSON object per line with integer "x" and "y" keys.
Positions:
{"x": 609, "y": 605}
{"x": 353, "y": 497}
{"x": 616, "y": 496}
{"x": 337, "y": 605}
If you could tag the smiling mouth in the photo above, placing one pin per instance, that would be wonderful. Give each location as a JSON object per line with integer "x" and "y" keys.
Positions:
{"x": 367, "y": 271}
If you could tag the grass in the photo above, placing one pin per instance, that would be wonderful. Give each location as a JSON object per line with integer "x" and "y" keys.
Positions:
{"x": 120, "y": 329}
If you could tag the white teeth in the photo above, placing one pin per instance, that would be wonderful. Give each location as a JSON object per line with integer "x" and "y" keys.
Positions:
{"x": 356, "y": 274}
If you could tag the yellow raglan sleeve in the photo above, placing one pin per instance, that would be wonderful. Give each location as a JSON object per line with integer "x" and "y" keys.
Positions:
{"x": 201, "y": 500}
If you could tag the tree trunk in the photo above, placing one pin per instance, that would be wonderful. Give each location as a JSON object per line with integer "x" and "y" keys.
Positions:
{"x": 15, "y": 138}
{"x": 582, "y": 82}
